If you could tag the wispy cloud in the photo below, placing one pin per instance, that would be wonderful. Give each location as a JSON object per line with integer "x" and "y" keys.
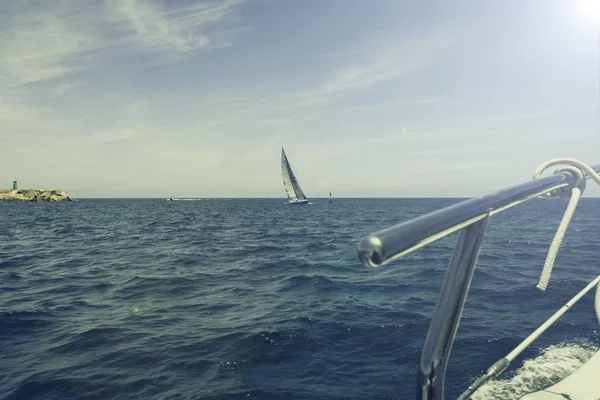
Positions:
{"x": 347, "y": 76}
{"x": 385, "y": 60}
{"x": 50, "y": 39}
{"x": 380, "y": 61}
{"x": 118, "y": 135}
{"x": 151, "y": 27}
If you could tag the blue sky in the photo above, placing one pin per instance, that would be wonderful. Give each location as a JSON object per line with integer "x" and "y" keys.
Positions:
{"x": 132, "y": 98}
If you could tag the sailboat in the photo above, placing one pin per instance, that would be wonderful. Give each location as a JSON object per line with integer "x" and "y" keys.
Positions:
{"x": 292, "y": 187}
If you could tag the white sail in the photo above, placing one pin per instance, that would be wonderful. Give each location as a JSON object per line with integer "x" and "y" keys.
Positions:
{"x": 290, "y": 182}
{"x": 287, "y": 181}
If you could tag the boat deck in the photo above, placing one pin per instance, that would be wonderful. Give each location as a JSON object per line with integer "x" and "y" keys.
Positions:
{"x": 581, "y": 385}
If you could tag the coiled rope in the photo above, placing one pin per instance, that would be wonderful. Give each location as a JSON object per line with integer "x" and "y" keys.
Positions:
{"x": 579, "y": 170}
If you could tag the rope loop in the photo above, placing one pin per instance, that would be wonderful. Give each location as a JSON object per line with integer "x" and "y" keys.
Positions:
{"x": 578, "y": 172}
{"x": 575, "y": 169}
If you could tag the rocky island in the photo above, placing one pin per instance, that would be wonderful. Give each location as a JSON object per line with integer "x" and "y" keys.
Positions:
{"x": 34, "y": 195}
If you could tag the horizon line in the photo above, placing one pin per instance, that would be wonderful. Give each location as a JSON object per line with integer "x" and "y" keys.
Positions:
{"x": 282, "y": 198}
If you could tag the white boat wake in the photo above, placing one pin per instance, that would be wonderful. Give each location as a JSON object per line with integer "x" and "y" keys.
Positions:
{"x": 171, "y": 199}
{"x": 552, "y": 365}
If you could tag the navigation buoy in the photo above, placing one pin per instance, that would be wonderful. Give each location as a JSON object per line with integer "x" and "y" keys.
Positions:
{"x": 329, "y": 197}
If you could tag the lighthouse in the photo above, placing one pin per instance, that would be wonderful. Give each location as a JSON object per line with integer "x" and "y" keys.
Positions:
{"x": 15, "y": 184}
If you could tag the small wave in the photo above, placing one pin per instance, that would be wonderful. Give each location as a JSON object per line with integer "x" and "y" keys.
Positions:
{"x": 93, "y": 338}
{"x": 315, "y": 282}
{"x": 37, "y": 388}
{"x": 24, "y": 321}
{"x": 554, "y": 364}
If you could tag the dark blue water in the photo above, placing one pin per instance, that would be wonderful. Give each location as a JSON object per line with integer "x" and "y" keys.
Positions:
{"x": 237, "y": 299}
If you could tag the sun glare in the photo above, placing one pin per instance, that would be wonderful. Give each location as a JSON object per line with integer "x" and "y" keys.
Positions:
{"x": 589, "y": 10}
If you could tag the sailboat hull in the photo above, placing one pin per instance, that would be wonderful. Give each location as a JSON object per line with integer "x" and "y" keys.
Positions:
{"x": 298, "y": 202}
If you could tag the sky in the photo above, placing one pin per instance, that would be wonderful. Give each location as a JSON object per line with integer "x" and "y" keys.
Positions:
{"x": 387, "y": 98}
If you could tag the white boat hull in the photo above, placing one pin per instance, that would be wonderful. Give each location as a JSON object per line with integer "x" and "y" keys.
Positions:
{"x": 298, "y": 202}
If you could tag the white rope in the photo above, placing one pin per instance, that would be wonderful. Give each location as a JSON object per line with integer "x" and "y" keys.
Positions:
{"x": 568, "y": 161}
{"x": 558, "y": 237}
{"x": 580, "y": 169}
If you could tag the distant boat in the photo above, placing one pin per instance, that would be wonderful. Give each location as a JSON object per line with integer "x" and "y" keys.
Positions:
{"x": 179, "y": 199}
{"x": 292, "y": 187}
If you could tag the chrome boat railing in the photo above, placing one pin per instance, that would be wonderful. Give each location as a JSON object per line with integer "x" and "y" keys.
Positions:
{"x": 470, "y": 218}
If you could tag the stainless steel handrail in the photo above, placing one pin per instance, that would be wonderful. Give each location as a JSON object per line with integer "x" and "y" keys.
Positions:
{"x": 470, "y": 217}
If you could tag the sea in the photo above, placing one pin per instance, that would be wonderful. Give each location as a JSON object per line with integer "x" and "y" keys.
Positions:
{"x": 254, "y": 299}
